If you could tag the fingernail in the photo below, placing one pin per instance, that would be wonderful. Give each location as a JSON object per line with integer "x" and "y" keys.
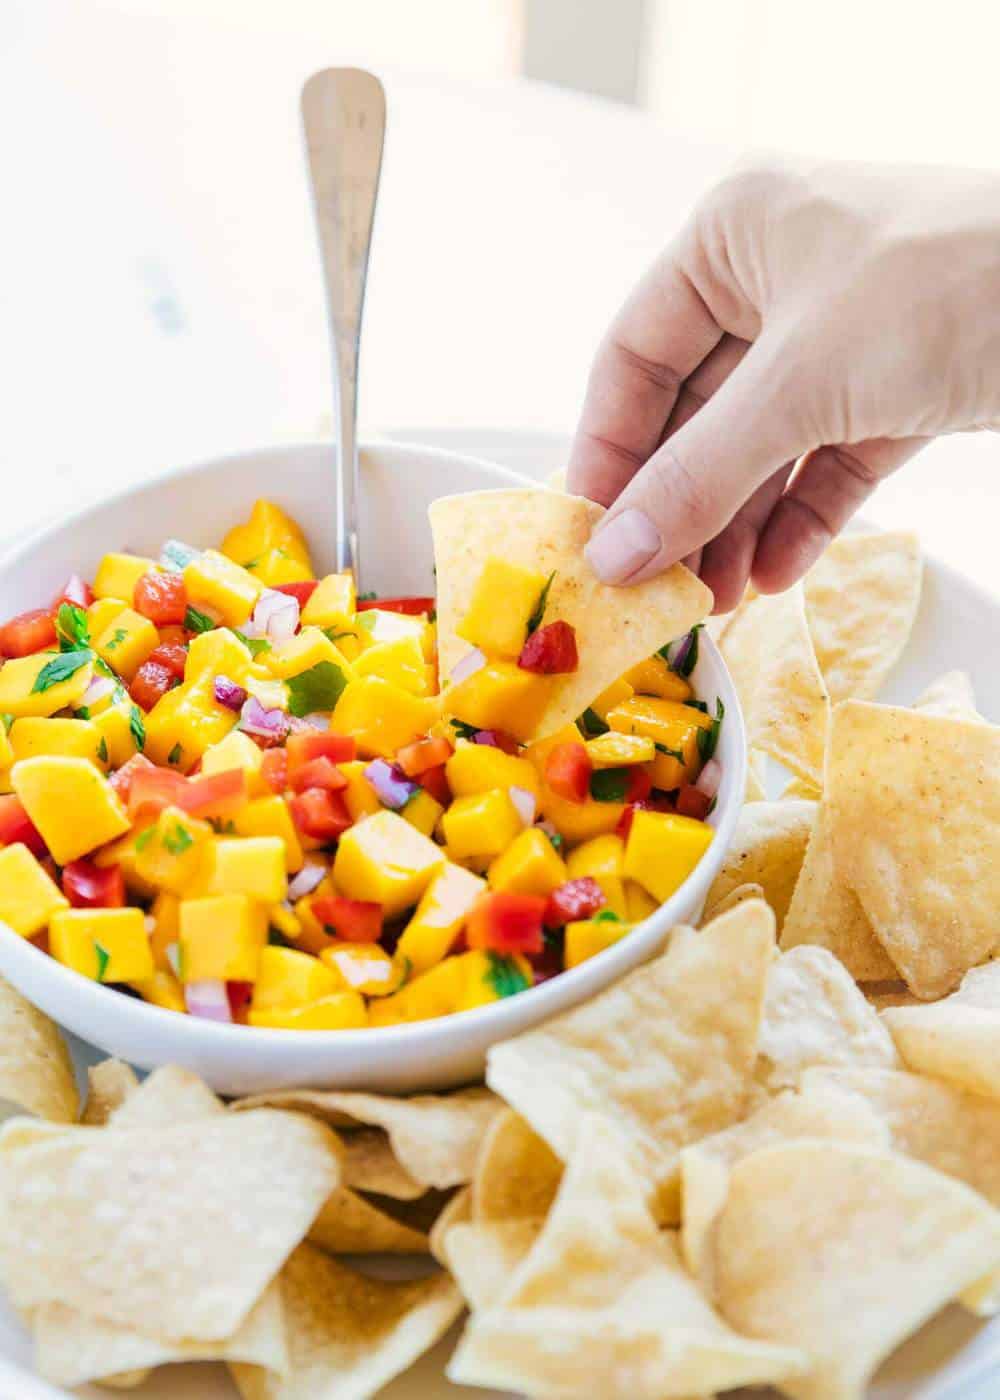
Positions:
{"x": 622, "y": 545}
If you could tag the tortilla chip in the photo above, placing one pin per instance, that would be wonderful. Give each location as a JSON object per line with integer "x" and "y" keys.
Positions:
{"x": 517, "y": 1175}
{"x": 883, "y": 994}
{"x": 768, "y": 848}
{"x": 556, "y": 481}
{"x": 824, "y": 912}
{"x": 170, "y": 1095}
{"x": 616, "y": 628}
{"x": 666, "y": 1054}
{"x": 348, "y": 1334}
{"x": 815, "y": 1015}
{"x": 729, "y": 901}
{"x": 202, "y": 1213}
{"x": 458, "y": 1211}
{"x": 602, "y": 1304}
{"x": 843, "y": 1251}
{"x": 36, "y": 1073}
{"x": 915, "y": 824}
{"x": 861, "y": 603}
{"x": 109, "y": 1084}
{"x": 957, "y": 1039}
{"x": 800, "y": 789}
{"x": 757, "y": 766}
{"x": 951, "y": 696}
{"x": 371, "y": 1165}
{"x": 435, "y": 1136}
{"x": 482, "y": 1255}
{"x": 770, "y": 656}
{"x": 349, "y": 1223}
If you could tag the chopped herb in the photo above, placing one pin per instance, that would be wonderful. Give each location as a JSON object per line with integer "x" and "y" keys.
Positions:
{"x": 592, "y": 724}
{"x": 223, "y": 828}
{"x": 535, "y": 620}
{"x": 688, "y": 653}
{"x": 609, "y": 784}
{"x": 557, "y": 839}
{"x": 664, "y": 652}
{"x": 196, "y": 621}
{"x": 254, "y": 645}
{"x": 102, "y": 750}
{"x": 319, "y": 688}
{"x": 137, "y": 727}
{"x": 8, "y": 722}
{"x": 178, "y": 840}
{"x": 407, "y": 971}
{"x": 504, "y": 976}
{"x": 144, "y": 838}
{"x": 670, "y": 753}
{"x": 709, "y": 738}
{"x": 333, "y": 636}
{"x": 61, "y": 668}
{"x": 463, "y": 730}
{"x": 103, "y": 958}
{"x": 368, "y": 597}
{"x": 71, "y": 625}
{"x": 696, "y": 705}
{"x": 174, "y": 756}
{"x": 117, "y": 637}
{"x": 605, "y": 916}
{"x": 83, "y": 712}
{"x": 367, "y": 620}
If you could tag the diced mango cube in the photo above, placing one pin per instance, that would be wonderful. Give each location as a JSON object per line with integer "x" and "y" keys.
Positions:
{"x": 237, "y": 751}
{"x": 218, "y": 653}
{"x": 221, "y": 936}
{"x": 422, "y": 811}
{"x": 250, "y": 865}
{"x": 127, "y": 642}
{"x": 638, "y": 904}
{"x": 654, "y": 677}
{"x": 585, "y": 938}
{"x": 575, "y": 821}
{"x": 29, "y": 685}
{"x": 343, "y": 1011}
{"x": 28, "y": 895}
{"x": 116, "y": 726}
{"x": 279, "y": 566}
{"x": 161, "y": 989}
{"x": 171, "y": 854}
{"x": 270, "y": 816}
{"x": 285, "y": 920}
{"x": 529, "y": 865}
{"x": 616, "y": 692}
{"x": 503, "y": 601}
{"x": 268, "y": 529}
{"x": 400, "y": 662}
{"x": 185, "y": 723}
{"x": 381, "y": 625}
{"x": 673, "y": 726}
{"x": 106, "y": 945}
{"x": 73, "y": 806}
{"x": 118, "y": 574}
{"x": 482, "y": 825}
{"x": 603, "y": 859}
{"x": 123, "y": 854}
{"x": 613, "y": 750}
{"x": 385, "y": 860}
{"x": 102, "y": 612}
{"x": 381, "y": 717}
{"x": 487, "y": 978}
{"x": 78, "y": 738}
{"x": 476, "y": 768}
{"x": 439, "y": 917}
{"x": 364, "y": 968}
{"x": 662, "y": 850}
{"x": 333, "y": 601}
{"x": 359, "y": 795}
{"x": 500, "y": 696}
{"x": 436, "y": 992}
{"x": 215, "y": 582}
{"x": 301, "y": 653}
{"x": 286, "y": 977}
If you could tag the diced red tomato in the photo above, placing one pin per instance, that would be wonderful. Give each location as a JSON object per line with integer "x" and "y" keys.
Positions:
{"x": 415, "y": 759}
{"x": 152, "y": 789}
{"x": 435, "y": 781}
{"x": 320, "y": 814}
{"x": 576, "y": 899}
{"x": 550, "y": 650}
{"x": 171, "y": 655}
{"x": 171, "y": 635}
{"x": 239, "y": 994}
{"x": 567, "y": 772}
{"x": 318, "y": 773}
{"x": 150, "y": 683}
{"x": 412, "y": 607}
{"x": 644, "y": 804}
{"x": 162, "y": 598}
{"x": 87, "y": 886}
{"x": 692, "y": 802}
{"x": 16, "y": 826}
{"x": 274, "y": 769}
{"x": 304, "y": 748}
{"x": 121, "y": 781}
{"x": 640, "y": 784}
{"x": 301, "y": 592}
{"x": 27, "y": 633}
{"x": 507, "y": 923}
{"x": 353, "y": 920}
{"x": 217, "y": 795}
{"x": 77, "y": 592}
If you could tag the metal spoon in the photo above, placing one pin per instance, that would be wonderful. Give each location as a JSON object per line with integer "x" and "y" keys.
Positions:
{"x": 343, "y": 113}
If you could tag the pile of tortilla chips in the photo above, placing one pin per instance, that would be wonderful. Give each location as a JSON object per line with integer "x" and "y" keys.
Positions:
{"x": 767, "y": 1157}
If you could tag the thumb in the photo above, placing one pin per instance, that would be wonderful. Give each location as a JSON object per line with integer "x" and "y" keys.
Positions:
{"x": 697, "y": 480}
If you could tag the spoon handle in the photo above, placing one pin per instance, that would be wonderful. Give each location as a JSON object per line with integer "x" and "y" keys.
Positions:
{"x": 343, "y": 113}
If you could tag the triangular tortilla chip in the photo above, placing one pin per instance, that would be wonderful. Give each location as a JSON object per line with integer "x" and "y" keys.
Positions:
{"x": 616, "y": 628}
{"x": 861, "y": 603}
{"x": 371, "y": 1165}
{"x": 770, "y": 656}
{"x": 665, "y": 1055}
{"x": 950, "y": 696}
{"x": 170, "y": 1095}
{"x": 481, "y": 1255}
{"x": 843, "y": 1251}
{"x": 109, "y": 1084}
{"x": 36, "y": 1073}
{"x": 914, "y": 805}
{"x": 350, "y": 1223}
{"x": 767, "y": 849}
{"x": 957, "y": 1039}
{"x": 757, "y": 766}
{"x": 735, "y": 896}
{"x": 517, "y": 1174}
{"x": 602, "y": 1304}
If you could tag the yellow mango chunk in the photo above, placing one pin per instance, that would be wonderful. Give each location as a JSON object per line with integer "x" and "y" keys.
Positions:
{"x": 123, "y": 853}
{"x": 654, "y": 677}
{"x": 31, "y": 685}
{"x": 482, "y": 825}
{"x": 436, "y": 992}
{"x": 585, "y": 938}
{"x": 476, "y": 768}
{"x": 161, "y": 989}
{"x": 359, "y": 795}
{"x": 343, "y": 1011}
{"x": 575, "y": 821}
{"x": 385, "y": 860}
{"x": 613, "y": 750}
{"x": 638, "y": 904}
{"x": 186, "y": 722}
{"x": 400, "y": 662}
{"x": 116, "y": 726}
{"x": 503, "y": 601}
{"x": 170, "y": 854}
{"x": 72, "y": 805}
{"x": 215, "y": 582}
{"x": 662, "y": 850}
{"x": 285, "y": 920}
{"x": 364, "y": 968}
{"x": 218, "y": 653}
{"x": 279, "y": 566}
{"x": 118, "y": 574}
{"x": 673, "y": 726}
{"x": 381, "y": 717}
{"x": 78, "y": 738}
{"x": 237, "y": 751}
{"x": 439, "y": 917}
{"x": 102, "y": 612}
{"x": 221, "y": 936}
{"x": 166, "y": 915}
{"x": 286, "y": 977}
{"x": 127, "y": 642}
{"x": 603, "y": 859}
{"x": 28, "y": 895}
{"x": 487, "y": 978}
{"x": 381, "y": 625}
{"x": 529, "y": 865}
{"x": 250, "y": 865}
{"x": 500, "y": 696}
{"x": 422, "y": 811}
{"x": 616, "y": 692}
{"x": 106, "y": 945}
{"x": 333, "y": 601}
{"x": 268, "y": 528}
{"x": 269, "y": 816}
{"x": 301, "y": 653}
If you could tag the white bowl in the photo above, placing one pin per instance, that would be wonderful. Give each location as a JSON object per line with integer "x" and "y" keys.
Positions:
{"x": 198, "y": 505}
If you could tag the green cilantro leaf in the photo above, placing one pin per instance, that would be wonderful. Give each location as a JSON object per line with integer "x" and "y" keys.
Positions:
{"x": 137, "y": 727}
{"x": 223, "y": 828}
{"x": 368, "y": 597}
{"x": 708, "y": 739}
{"x": 8, "y": 722}
{"x": 103, "y": 958}
{"x": 117, "y": 637}
{"x": 535, "y": 620}
{"x": 591, "y": 724}
{"x": 83, "y": 712}
{"x": 60, "y": 669}
{"x": 609, "y": 784}
{"x": 690, "y": 657}
{"x": 557, "y": 839}
{"x": 174, "y": 756}
{"x": 72, "y": 627}
{"x": 319, "y": 688}
{"x": 505, "y": 977}
{"x": 696, "y": 705}
{"x": 102, "y": 750}
{"x": 144, "y": 838}
{"x": 196, "y": 621}
{"x": 178, "y": 840}
{"x": 671, "y": 753}
{"x": 605, "y": 916}
{"x": 463, "y": 730}
{"x": 254, "y": 645}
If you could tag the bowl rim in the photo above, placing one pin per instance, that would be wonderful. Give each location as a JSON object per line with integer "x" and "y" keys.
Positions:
{"x": 551, "y": 997}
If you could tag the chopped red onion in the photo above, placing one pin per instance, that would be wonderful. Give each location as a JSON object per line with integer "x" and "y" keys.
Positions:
{"x": 393, "y": 788}
{"x": 488, "y": 737}
{"x": 208, "y": 999}
{"x": 525, "y": 803}
{"x": 228, "y": 694}
{"x": 317, "y": 720}
{"x": 474, "y": 661}
{"x": 76, "y": 591}
{"x": 269, "y": 724}
{"x": 305, "y": 881}
{"x": 710, "y": 777}
{"x": 277, "y": 615}
{"x": 97, "y": 689}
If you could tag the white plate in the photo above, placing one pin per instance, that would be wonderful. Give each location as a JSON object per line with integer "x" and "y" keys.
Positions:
{"x": 954, "y": 1357}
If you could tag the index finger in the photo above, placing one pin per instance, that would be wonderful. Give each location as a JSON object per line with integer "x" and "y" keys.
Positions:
{"x": 659, "y": 337}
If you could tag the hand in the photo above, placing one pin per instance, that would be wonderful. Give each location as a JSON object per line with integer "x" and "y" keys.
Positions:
{"x": 837, "y": 314}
